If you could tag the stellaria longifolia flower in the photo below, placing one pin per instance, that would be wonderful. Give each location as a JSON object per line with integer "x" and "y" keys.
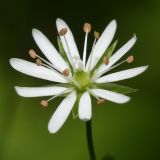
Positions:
{"x": 77, "y": 78}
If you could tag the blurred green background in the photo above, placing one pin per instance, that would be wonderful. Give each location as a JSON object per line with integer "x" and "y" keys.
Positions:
{"x": 128, "y": 132}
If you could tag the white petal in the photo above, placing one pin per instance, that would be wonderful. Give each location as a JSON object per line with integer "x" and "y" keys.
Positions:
{"x": 69, "y": 38}
{"x": 62, "y": 113}
{"x": 39, "y": 91}
{"x": 121, "y": 75}
{"x": 85, "y": 108}
{"x": 111, "y": 96}
{"x": 102, "y": 44}
{"x": 49, "y": 50}
{"x": 34, "y": 70}
{"x": 118, "y": 54}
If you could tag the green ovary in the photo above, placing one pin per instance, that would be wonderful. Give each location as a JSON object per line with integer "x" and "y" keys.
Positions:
{"x": 83, "y": 79}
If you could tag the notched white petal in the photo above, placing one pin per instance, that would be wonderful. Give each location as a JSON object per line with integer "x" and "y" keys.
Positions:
{"x": 69, "y": 38}
{"x": 85, "y": 107}
{"x": 39, "y": 91}
{"x": 33, "y": 70}
{"x": 102, "y": 44}
{"x": 121, "y": 75}
{"x": 111, "y": 96}
{"x": 49, "y": 50}
{"x": 62, "y": 112}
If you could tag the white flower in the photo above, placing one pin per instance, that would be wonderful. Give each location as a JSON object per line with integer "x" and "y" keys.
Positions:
{"x": 76, "y": 79}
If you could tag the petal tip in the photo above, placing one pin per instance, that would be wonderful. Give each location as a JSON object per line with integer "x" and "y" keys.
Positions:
{"x": 112, "y": 24}
{"x": 125, "y": 101}
{"x": 114, "y": 21}
{"x": 60, "y": 22}
{"x": 15, "y": 87}
{"x": 145, "y": 68}
{"x": 85, "y": 119}
{"x": 12, "y": 61}
{"x": 17, "y": 90}
{"x": 58, "y": 19}
{"x": 35, "y": 31}
{"x": 129, "y": 98}
{"x": 51, "y": 129}
{"x": 134, "y": 36}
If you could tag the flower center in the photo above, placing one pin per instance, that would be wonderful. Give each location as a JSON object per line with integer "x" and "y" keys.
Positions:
{"x": 83, "y": 79}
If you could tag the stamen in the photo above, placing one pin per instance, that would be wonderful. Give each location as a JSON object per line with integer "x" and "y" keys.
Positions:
{"x": 66, "y": 72}
{"x": 38, "y": 62}
{"x": 51, "y": 68}
{"x": 105, "y": 60}
{"x": 48, "y": 64}
{"x": 68, "y": 78}
{"x": 116, "y": 65}
{"x": 130, "y": 59}
{"x": 59, "y": 73}
{"x": 94, "y": 43}
{"x": 101, "y": 101}
{"x": 32, "y": 54}
{"x": 62, "y": 32}
{"x": 69, "y": 53}
{"x": 96, "y": 34}
{"x": 87, "y": 27}
{"x": 107, "y": 70}
{"x": 44, "y": 103}
{"x": 85, "y": 49}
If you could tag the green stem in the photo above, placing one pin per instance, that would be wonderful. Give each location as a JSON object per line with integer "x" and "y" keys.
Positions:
{"x": 90, "y": 140}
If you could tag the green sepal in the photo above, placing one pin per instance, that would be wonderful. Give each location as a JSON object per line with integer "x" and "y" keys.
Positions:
{"x": 61, "y": 49}
{"x": 110, "y": 49}
{"x": 76, "y": 105}
{"x": 66, "y": 85}
{"x": 63, "y": 53}
{"x": 58, "y": 85}
{"x": 115, "y": 88}
{"x": 107, "y": 53}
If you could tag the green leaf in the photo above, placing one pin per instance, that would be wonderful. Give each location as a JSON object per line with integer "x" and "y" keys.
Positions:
{"x": 115, "y": 88}
{"x": 107, "y": 53}
{"x": 76, "y": 105}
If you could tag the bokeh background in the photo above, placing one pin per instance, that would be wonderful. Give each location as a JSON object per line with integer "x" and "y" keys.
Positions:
{"x": 127, "y": 132}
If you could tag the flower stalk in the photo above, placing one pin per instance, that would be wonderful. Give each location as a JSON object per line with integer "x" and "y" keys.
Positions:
{"x": 90, "y": 140}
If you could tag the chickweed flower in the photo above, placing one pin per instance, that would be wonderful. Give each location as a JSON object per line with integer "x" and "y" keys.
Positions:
{"x": 77, "y": 78}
